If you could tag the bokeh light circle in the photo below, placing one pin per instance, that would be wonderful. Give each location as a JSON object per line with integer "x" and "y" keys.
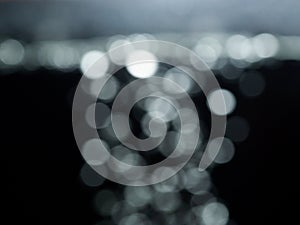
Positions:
{"x": 145, "y": 63}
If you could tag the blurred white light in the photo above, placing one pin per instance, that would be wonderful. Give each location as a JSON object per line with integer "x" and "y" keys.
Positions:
{"x": 186, "y": 124}
{"x": 252, "y": 84}
{"x": 186, "y": 144}
{"x": 207, "y": 53}
{"x": 142, "y": 37}
{"x": 43, "y": 56}
{"x": 170, "y": 219}
{"x": 90, "y": 177}
{"x": 126, "y": 155}
{"x": 108, "y": 133}
{"x": 124, "y": 49}
{"x": 109, "y": 90}
{"x": 169, "y": 143}
{"x": 138, "y": 196}
{"x": 220, "y": 98}
{"x": 136, "y": 218}
{"x": 209, "y": 49}
{"x": 170, "y": 185}
{"x": 265, "y": 45}
{"x": 64, "y": 56}
{"x": 215, "y": 213}
{"x": 91, "y": 152}
{"x": 166, "y": 202}
{"x": 201, "y": 199}
{"x": 11, "y": 52}
{"x": 122, "y": 209}
{"x": 180, "y": 78}
{"x": 226, "y": 152}
{"x": 196, "y": 182}
{"x": 239, "y": 47}
{"x": 160, "y": 108}
{"x": 94, "y": 64}
{"x": 124, "y": 131}
{"x": 141, "y": 64}
{"x": 154, "y": 127}
{"x": 101, "y": 113}
{"x": 132, "y": 174}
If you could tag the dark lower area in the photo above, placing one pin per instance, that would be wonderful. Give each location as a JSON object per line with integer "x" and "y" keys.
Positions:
{"x": 41, "y": 161}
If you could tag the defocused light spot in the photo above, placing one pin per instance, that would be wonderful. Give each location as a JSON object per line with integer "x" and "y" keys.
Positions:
{"x": 169, "y": 143}
{"x": 209, "y": 50}
{"x": 121, "y": 126}
{"x": 104, "y": 202}
{"x": 59, "y": 55}
{"x": 44, "y": 57}
{"x": 108, "y": 133}
{"x": 252, "y": 84}
{"x": 101, "y": 113}
{"x": 221, "y": 102}
{"x": 124, "y": 49}
{"x": 90, "y": 177}
{"x": 94, "y": 64}
{"x": 237, "y": 129}
{"x": 207, "y": 53}
{"x": 11, "y": 52}
{"x": 131, "y": 174}
{"x": 126, "y": 155}
{"x": 122, "y": 209}
{"x": 138, "y": 196}
{"x": 215, "y": 213}
{"x": 109, "y": 90}
{"x": 186, "y": 123}
{"x": 160, "y": 108}
{"x": 166, "y": 202}
{"x": 170, "y": 185}
{"x": 230, "y": 72}
{"x": 141, "y": 64}
{"x": 265, "y": 45}
{"x": 136, "y": 218}
{"x": 65, "y": 56}
{"x": 142, "y": 37}
{"x": 226, "y": 152}
{"x": 201, "y": 198}
{"x": 239, "y": 47}
{"x": 170, "y": 219}
{"x": 180, "y": 78}
{"x": 92, "y": 152}
{"x": 157, "y": 127}
{"x": 197, "y": 182}
{"x": 186, "y": 144}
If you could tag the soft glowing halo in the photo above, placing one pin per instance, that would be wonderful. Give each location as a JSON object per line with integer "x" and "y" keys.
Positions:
{"x": 217, "y": 97}
{"x": 225, "y": 154}
{"x": 11, "y": 52}
{"x": 215, "y": 213}
{"x": 92, "y": 154}
{"x": 141, "y": 64}
{"x": 265, "y": 45}
{"x": 178, "y": 76}
{"x": 90, "y": 68}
